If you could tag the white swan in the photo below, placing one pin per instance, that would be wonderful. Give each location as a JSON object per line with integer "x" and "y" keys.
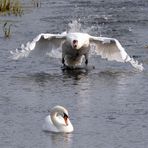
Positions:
{"x": 58, "y": 121}
{"x": 75, "y": 46}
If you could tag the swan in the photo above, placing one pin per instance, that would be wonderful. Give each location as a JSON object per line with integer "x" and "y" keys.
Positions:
{"x": 76, "y": 48}
{"x": 58, "y": 121}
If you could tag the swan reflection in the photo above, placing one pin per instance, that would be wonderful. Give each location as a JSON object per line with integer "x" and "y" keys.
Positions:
{"x": 61, "y": 140}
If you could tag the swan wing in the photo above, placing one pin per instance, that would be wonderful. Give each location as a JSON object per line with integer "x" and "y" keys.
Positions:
{"x": 40, "y": 45}
{"x": 111, "y": 49}
{"x": 48, "y": 125}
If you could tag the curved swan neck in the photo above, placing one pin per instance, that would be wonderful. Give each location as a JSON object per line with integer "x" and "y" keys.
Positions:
{"x": 55, "y": 114}
{"x": 59, "y": 120}
{"x": 53, "y": 118}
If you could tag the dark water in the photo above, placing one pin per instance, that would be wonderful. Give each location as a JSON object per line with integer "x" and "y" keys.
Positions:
{"x": 108, "y": 105}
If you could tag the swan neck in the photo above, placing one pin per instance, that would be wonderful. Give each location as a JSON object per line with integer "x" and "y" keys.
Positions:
{"x": 56, "y": 122}
{"x": 53, "y": 118}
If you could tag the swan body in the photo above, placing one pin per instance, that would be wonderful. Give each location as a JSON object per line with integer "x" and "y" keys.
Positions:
{"x": 75, "y": 48}
{"x": 58, "y": 121}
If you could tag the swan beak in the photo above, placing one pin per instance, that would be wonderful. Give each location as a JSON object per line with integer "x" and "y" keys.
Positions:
{"x": 66, "y": 119}
{"x": 75, "y": 43}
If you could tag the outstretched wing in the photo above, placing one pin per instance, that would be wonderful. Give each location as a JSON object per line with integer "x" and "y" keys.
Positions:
{"x": 111, "y": 49}
{"x": 40, "y": 45}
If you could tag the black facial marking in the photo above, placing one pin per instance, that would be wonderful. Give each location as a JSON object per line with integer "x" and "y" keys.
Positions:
{"x": 65, "y": 115}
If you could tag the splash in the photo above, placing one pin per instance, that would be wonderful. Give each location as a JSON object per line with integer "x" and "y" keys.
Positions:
{"x": 20, "y": 52}
{"x": 25, "y": 50}
{"x": 136, "y": 64}
{"x": 53, "y": 49}
{"x": 74, "y": 26}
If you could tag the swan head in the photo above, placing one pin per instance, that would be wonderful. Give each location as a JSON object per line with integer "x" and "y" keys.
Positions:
{"x": 75, "y": 44}
{"x": 78, "y": 40}
{"x": 60, "y": 111}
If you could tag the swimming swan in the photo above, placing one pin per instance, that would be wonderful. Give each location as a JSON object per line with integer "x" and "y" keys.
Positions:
{"x": 75, "y": 48}
{"x": 58, "y": 121}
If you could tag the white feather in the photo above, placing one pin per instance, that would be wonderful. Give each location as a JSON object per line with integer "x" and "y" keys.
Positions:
{"x": 108, "y": 48}
{"x": 55, "y": 121}
{"x": 40, "y": 45}
{"x": 111, "y": 49}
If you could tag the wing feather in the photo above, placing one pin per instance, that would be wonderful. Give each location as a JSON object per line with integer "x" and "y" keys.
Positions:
{"x": 40, "y": 45}
{"x": 48, "y": 125}
{"x": 111, "y": 49}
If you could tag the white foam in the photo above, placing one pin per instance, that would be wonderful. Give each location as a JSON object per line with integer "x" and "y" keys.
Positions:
{"x": 136, "y": 64}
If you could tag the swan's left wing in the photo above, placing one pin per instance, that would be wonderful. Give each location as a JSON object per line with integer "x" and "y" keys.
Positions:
{"x": 111, "y": 49}
{"x": 48, "y": 125}
{"x": 40, "y": 45}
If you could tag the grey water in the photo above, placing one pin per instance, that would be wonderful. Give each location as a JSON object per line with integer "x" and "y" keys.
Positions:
{"x": 108, "y": 105}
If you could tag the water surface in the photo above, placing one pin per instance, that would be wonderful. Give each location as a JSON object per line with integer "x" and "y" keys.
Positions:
{"x": 108, "y": 105}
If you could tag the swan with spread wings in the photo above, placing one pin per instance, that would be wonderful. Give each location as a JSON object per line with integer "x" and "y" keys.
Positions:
{"x": 76, "y": 47}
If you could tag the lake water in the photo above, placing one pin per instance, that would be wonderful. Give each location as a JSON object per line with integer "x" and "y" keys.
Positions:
{"x": 108, "y": 105}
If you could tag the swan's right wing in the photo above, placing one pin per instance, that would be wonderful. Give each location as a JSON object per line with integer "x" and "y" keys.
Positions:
{"x": 40, "y": 45}
{"x": 48, "y": 125}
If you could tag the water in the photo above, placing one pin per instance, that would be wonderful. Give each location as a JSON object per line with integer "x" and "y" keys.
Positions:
{"x": 108, "y": 105}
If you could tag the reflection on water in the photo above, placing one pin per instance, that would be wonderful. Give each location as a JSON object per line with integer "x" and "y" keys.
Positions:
{"x": 75, "y": 74}
{"x": 61, "y": 140}
{"x": 78, "y": 72}
{"x": 62, "y": 75}
{"x": 42, "y": 77}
